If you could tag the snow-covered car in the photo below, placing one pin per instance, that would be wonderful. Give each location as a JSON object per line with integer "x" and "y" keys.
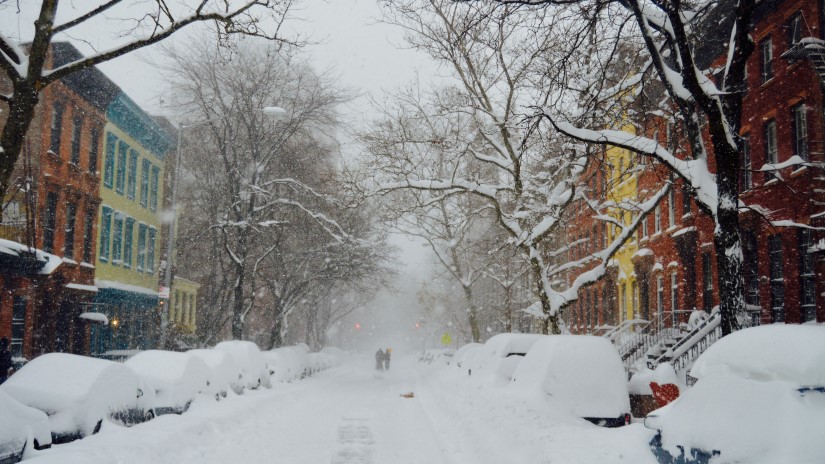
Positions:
{"x": 177, "y": 378}
{"x": 78, "y": 393}
{"x": 465, "y": 354}
{"x": 18, "y": 422}
{"x": 580, "y": 374}
{"x": 225, "y": 374}
{"x": 287, "y": 363}
{"x": 498, "y": 358}
{"x": 248, "y": 357}
{"x": 437, "y": 356}
{"x": 760, "y": 398}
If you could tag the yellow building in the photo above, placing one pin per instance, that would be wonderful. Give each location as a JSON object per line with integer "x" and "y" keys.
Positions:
{"x": 183, "y": 307}
{"x": 128, "y": 257}
{"x": 623, "y": 187}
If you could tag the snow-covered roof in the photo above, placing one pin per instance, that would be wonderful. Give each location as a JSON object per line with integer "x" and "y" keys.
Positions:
{"x": 103, "y": 284}
{"x": 16, "y": 249}
{"x": 657, "y": 267}
{"x": 85, "y": 288}
{"x": 95, "y": 317}
{"x": 643, "y": 252}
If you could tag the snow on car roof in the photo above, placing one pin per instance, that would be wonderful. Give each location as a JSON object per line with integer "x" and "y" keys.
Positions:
{"x": 166, "y": 368}
{"x": 583, "y": 373}
{"x": 504, "y": 344}
{"x": 794, "y": 353}
{"x": 53, "y": 381}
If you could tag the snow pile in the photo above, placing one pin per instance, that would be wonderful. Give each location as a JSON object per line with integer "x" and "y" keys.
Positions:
{"x": 582, "y": 374}
{"x": 77, "y": 392}
{"x": 176, "y": 377}
{"x": 248, "y": 357}
{"x": 759, "y": 398}
{"x": 224, "y": 373}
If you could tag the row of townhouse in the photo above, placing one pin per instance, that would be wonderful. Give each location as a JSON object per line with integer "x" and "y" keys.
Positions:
{"x": 668, "y": 269}
{"x": 80, "y": 236}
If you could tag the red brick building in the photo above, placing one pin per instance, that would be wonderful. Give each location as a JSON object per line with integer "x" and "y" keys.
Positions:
{"x": 44, "y": 295}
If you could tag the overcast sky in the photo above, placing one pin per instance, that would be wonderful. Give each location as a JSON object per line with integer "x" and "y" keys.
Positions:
{"x": 369, "y": 57}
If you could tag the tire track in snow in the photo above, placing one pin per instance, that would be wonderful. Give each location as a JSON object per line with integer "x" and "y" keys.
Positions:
{"x": 355, "y": 442}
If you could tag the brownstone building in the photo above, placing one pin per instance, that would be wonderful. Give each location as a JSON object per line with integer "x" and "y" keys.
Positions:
{"x": 54, "y": 210}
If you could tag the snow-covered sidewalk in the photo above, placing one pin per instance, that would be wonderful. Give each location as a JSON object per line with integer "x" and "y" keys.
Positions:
{"x": 352, "y": 414}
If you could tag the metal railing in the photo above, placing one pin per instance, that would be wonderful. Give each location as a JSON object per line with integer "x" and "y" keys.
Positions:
{"x": 689, "y": 347}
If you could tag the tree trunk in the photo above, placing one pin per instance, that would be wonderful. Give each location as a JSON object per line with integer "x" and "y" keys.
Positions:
{"x": 21, "y": 112}
{"x": 726, "y": 237}
{"x": 472, "y": 315}
{"x": 508, "y": 309}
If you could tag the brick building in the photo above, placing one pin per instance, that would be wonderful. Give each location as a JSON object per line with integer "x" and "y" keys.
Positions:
{"x": 46, "y": 293}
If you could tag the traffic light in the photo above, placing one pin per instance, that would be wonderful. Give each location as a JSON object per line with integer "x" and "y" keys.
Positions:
{"x": 357, "y": 325}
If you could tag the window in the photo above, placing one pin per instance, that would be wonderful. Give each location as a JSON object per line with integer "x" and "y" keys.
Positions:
{"x": 144, "y": 183}
{"x": 686, "y": 194}
{"x": 68, "y": 243}
{"x": 141, "y": 253}
{"x": 635, "y": 289}
{"x": 746, "y": 181}
{"x": 671, "y": 208}
{"x": 109, "y": 163}
{"x": 77, "y": 130}
{"x": 117, "y": 238}
{"x": 18, "y": 326}
{"x": 88, "y": 235}
{"x": 105, "y": 233}
{"x": 622, "y": 301}
{"x": 660, "y": 295}
{"x": 807, "y": 276}
{"x": 657, "y": 219}
{"x": 800, "y": 131}
{"x": 150, "y": 251}
{"x": 794, "y": 30}
{"x": 122, "y": 152}
{"x": 153, "y": 188}
{"x": 707, "y": 280}
{"x": 57, "y": 128}
{"x": 674, "y": 294}
{"x": 127, "y": 242}
{"x": 49, "y": 222}
{"x": 771, "y": 153}
{"x": 766, "y": 59}
{"x": 750, "y": 268}
{"x": 644, "y": 226}
{"x": 777, "y": 278}
{"x": 94, "y": 142}
{"x": 132, "y": 178}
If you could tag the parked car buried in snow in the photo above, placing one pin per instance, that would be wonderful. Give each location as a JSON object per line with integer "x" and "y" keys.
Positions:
{"x": 498, "y": 358}
{"x": 760, "y": 398}
{"x": 18, "y": 423}
{"x": 248, "y": 357}
{"x": 224, "y": 373}
{"x": 78, "y": 393}
{"x": 580, "y": 374}
{"x": 177, "y": 378}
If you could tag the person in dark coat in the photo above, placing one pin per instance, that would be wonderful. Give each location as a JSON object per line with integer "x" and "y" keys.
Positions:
{"x": 379, "y": 360}
{"x": 5, "y": 359}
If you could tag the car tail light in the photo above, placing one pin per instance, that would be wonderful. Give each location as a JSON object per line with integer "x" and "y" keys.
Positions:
{"x": 627, "y": 419}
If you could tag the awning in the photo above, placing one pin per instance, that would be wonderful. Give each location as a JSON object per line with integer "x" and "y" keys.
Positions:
{"x": 99, "y": 318}
{"x": 81, "y": 287}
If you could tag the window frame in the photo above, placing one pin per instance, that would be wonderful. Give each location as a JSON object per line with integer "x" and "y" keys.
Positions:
{"x": 105, "y": 234}
{"x": 88, "y": 236}
{"x": 69, "y": 230}
{"x": 766, "y": 59}
{"x": 776, "y": 277}
{"x": 56, "y": 132}
{"x": 154, "y": 186}
{"x": 109, "y": 160}
{"x": 799, "y": 126}
{"x": 141, "y": 253}
{"x": 50, "y": 222}
{"x": 128, "y": 238}
{"x": 117, "y": 237}
{"x": 77, "y": 134}
{"x": 120, "y": 175}
{"x": 746, "y": 179}
{"x": 131, "y": 176}
{"x": 807, "y": 276}
{"x": 771, "y": 146}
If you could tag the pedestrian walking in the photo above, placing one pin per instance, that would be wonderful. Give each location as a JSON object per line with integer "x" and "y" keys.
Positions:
{"x": 387, "y": 359}
{"x": 379, "y": 360}
{"x": 5, "y": 359}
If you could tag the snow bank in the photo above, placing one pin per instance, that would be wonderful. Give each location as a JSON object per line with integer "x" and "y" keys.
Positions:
{"x": 583, "y": 374}
{"x": 76, "y": 391}
{"x": 176, "y": 377}
{"x": 794, "y": 353}
{"x": 224, "y": 373}
{"x": 248, "y": 357}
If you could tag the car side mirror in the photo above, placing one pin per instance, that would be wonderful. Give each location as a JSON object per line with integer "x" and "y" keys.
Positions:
{"x": 653, "y": 422}
{"x": 139, "y": 392}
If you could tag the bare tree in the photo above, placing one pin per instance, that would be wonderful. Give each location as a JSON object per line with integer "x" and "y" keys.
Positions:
{"x": 27, "y": 66}
{"x": 497, "y": 57}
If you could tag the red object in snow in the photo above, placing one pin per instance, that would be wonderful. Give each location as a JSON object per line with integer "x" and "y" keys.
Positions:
{"x": 664, "y": 394}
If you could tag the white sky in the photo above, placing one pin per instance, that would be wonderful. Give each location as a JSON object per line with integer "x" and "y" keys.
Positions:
{"x": 367, "y": 56}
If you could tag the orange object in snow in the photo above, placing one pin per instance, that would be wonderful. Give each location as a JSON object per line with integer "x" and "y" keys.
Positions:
{"x": 664, "y": 394}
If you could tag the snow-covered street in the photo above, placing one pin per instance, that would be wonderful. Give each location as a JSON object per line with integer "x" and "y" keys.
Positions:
{"x": 353, "y": 414}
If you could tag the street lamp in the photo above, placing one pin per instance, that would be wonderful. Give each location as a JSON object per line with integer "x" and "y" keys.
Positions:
{"x": 274, "y": 112}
